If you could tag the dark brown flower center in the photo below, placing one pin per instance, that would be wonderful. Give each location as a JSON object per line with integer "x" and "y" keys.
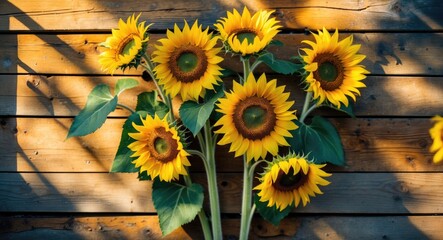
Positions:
{"x": 162, "y": 146}
{"x": 330, "y": 72}
{"x": 254, "y": 117}
{"x": 290, "y": 181}
{"x": 188, "y": 63}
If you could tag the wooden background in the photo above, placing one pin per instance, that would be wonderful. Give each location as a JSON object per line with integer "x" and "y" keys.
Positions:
{"x": 60, "y": 189}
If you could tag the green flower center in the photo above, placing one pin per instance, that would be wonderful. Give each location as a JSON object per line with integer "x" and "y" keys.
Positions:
{"x": 254, "y": 117}
{"x": 327, "y": 71}
{"x": 249, "y": 36}
{"x": 330, "y": 72}
{"x": 187, "y": 61}
{"x": 290, "y": 181}
{"x": 126, "y": 45}
{"x": 161, "y": 145}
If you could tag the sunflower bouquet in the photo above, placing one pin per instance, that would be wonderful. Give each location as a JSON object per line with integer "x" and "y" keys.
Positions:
{"x": 254, "y": 117}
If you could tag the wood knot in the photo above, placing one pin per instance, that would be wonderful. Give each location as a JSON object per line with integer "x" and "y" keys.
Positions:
{"x": 402, "y": 187}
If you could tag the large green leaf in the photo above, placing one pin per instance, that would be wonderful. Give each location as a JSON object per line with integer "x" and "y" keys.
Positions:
{"x": 194, "y": 115}
{"x": 176, "y": 204}
{"x": 148, "y": 101}
{"x": 99, "y": 104}
{"x": 320, "y": 140}
{"x": 271, "y": 214}
{"x": 123, "y": 84}
{"x": 122, "y": 160}
{"x": 347, "y": 109}
{"x": 280, "y": 66}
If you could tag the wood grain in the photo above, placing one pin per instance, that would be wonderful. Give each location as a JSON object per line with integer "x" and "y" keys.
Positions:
{"x": 348, "y": 193}
{"x": 98, "y": 15}
{"x": 370, "y": 144}
{"x": 39, "y": 95}
{"x": 57, "y": 188}
{"x": 303, "y": 227}
{"x": 145, "y": 227}
{"x": 49, "y": 54}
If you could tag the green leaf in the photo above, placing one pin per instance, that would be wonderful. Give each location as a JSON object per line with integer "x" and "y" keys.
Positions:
{"x": 275, "y": 42}
{"x": 144, "y": 176}
{"x": 228, "y": 73}
{"x": 176, "y": 204}
{"x": 122, "y": 160}
{"x": 99, "y": 104}
{"x": 148, "y": 101}
{"x": 280, "y": 66}
{"x": 320, "y": 140}
{"x": 124, "y": 84}
{"x": 194, "y": 115}
{"x": 271, "y": 214}
{"x": 348, "y": 110}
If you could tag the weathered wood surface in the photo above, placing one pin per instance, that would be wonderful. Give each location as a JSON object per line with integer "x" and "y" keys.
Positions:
{"x": 302, "y": 227}
{"x": 53, "y": 188}
{"x": 40, "y": 95}
{"x": 98, "y": 15}
{"x": 371, "y": 144}
{"x": 348, "y": 193}
{"x": 48, "y": 54}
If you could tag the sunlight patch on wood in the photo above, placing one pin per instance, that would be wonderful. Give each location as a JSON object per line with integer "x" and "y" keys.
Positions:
{"x": 414, "y": 94}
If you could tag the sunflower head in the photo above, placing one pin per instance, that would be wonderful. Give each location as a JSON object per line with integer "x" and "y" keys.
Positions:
{"x": 256, "y": 118}
{"x": 436, "y": 133}
{"x": 126, "y": 46}
{"x": 158, "y": 149}
{"x": 246, "y": 35}
{"x": 187, "y": 62}
{"x": 289, "y": 180}
{"x": 333, "y": 68}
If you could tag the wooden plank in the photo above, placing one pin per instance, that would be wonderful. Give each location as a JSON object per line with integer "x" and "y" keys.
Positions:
{"x": 387, "y": 53}
{"x": 371, "y": 144}
{"x": 38, "y": 95}
{"x": 356, "y": 193}
{"x": 138, "y": 227}
{"x": 64, "y": 192}
{"x": 358, "y": 227}
{"x": 303, "y": 227}
{"x": 99, "y": 15}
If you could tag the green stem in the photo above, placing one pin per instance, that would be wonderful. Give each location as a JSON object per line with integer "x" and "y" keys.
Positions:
{"x": 246, "y": 200}
{"x": 149, "y": 68}
{"x": 126, "y": 107}
{"x": 212, "y": 184}
{"x": 306, "y": 109}
{"x": 251, "y": 215}
{"x": 246, "y": 69}
{"x": 201, "y": 214}
{"x": 254, "y": 65}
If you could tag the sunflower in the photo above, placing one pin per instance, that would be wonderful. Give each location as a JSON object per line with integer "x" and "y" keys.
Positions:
{"x": 158, "y": 149}
{"x": 290, "y": 180}
{"x": 188, "y": 62}
{"x": 245, "y": 34}
{"x": 256, "y": 118}
{"x": 436, "y": 133}
{"x": 333, "y": 68}
{"x": 126, "y": 45}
